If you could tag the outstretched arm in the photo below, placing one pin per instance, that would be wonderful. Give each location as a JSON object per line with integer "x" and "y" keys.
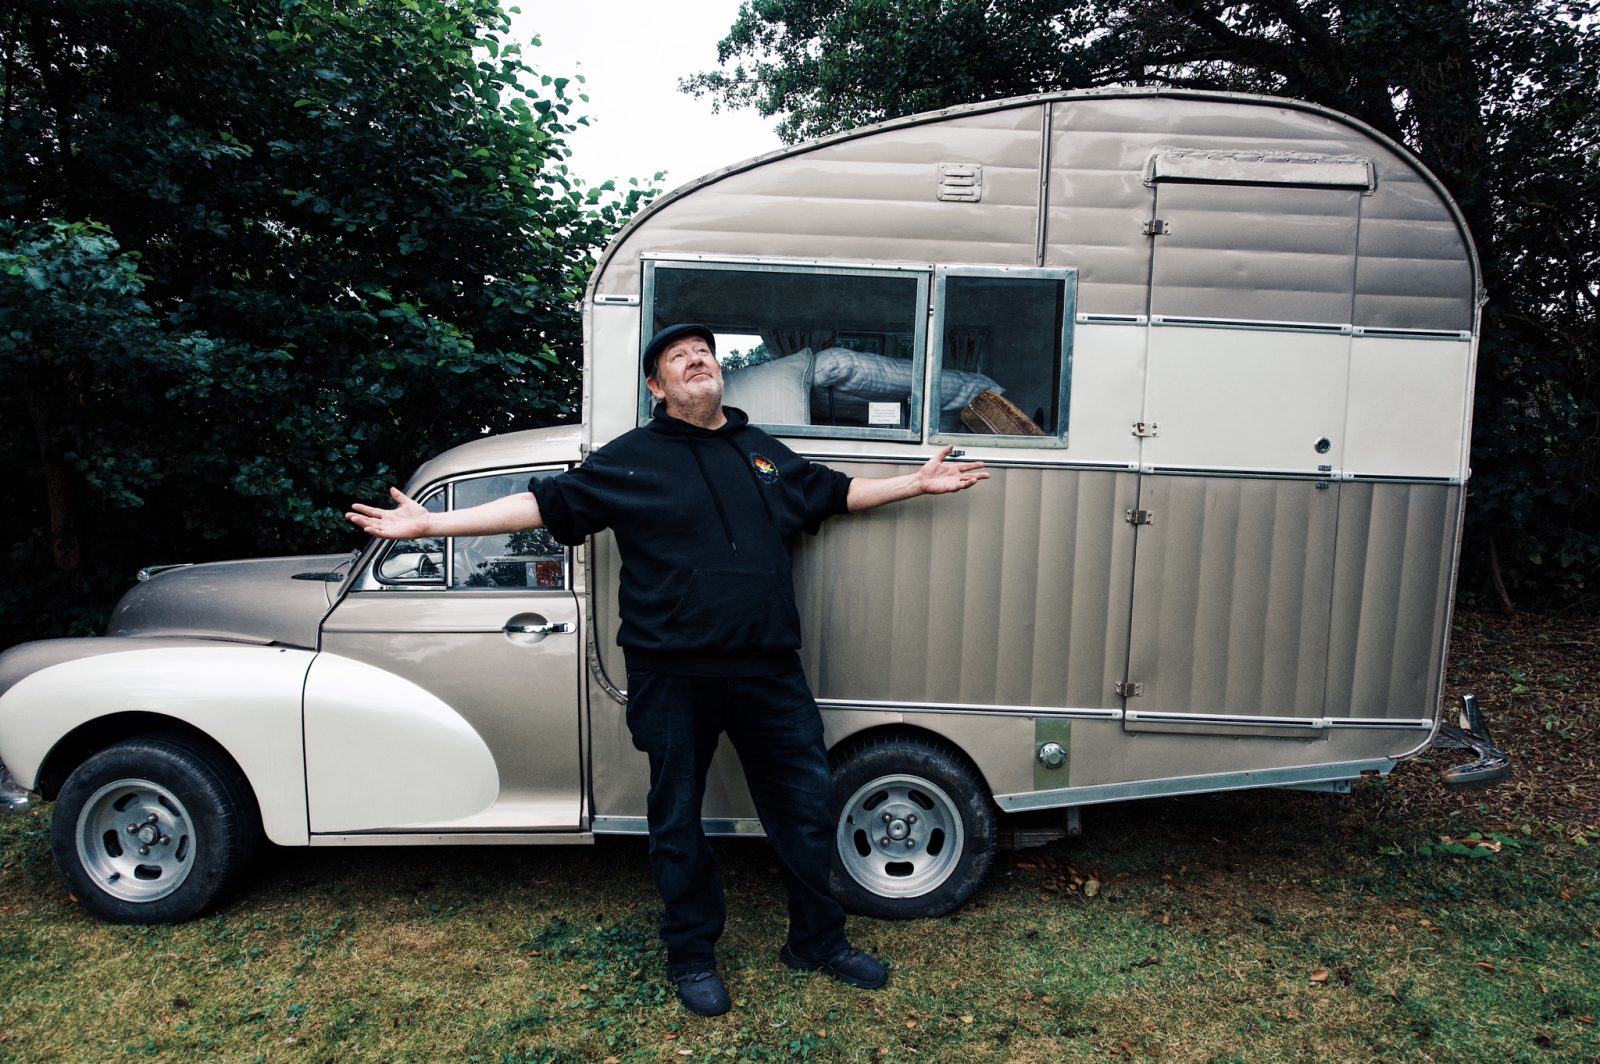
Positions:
{"x": 936, "y": 477}
{"x": 408, "y": 520}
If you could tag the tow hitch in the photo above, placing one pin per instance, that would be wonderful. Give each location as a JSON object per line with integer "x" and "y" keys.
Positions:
{"x": 1491, "y": 764}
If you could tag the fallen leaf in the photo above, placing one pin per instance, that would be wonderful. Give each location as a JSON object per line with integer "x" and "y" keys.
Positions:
{"x": 1166, "y": 919}
{"x": 1586, "y": 1019}
{"x": 911, "y": 1023}
{"x": 613, "y": 1060}
{"x": 822, "y": 1032}
{"x": 1320, "y": 975}
{"x": 671, "y": 1035}
{"x": 968, "y": 1019}
{"x": 685, "y": 1052}
{"x": 1485, "y": 965}
{"x": 1564, "y": 896}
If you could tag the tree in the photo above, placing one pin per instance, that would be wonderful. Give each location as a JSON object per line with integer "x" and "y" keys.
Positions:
{"x": 258, "y": 256}
{"x": 1497, "y": 98}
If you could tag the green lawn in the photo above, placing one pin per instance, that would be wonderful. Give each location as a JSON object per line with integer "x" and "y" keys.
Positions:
{"x": 1246, "y": 927}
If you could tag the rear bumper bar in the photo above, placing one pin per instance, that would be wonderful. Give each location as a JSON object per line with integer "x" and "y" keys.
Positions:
{"x": 14, "y": 798}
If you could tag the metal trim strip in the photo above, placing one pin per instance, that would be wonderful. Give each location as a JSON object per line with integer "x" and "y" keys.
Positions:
{"x": 1254, "y": 325}
{"x": 1384, "y": 333}
{"x": 970, "y": 708}
{"x": 1111, "y": 319}
{"x": 465, "y": 838}
{"x": 718, "y": 827}
{"x": 1221, "y": 781}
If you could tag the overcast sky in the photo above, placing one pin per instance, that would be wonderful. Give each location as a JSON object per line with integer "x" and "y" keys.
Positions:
{"x": 633, "y": 52}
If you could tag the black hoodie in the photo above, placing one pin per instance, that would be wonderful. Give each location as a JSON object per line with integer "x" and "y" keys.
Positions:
{"x": 704, "y": 519}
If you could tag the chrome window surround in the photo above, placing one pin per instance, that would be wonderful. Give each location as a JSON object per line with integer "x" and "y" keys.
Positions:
{"x": 370, "y": 580}
{"x": 1069, "y": 316}
{"x": 919, "y": 341}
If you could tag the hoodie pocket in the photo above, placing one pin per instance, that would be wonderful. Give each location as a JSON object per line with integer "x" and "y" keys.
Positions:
{"x": 727, "y": 610}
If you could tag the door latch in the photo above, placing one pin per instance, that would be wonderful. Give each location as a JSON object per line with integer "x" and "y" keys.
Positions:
{"x": 552, "y": 628}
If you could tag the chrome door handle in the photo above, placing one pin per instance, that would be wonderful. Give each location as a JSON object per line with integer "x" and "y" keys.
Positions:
{"x": 553, "y": 628}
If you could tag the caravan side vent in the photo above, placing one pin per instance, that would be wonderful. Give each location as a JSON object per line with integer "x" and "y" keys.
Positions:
{"x": 1258, "y": 167}
{"x": 961, "y": 181}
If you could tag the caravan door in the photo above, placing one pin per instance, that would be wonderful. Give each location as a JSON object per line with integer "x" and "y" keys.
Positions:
{"x": 1251, "y": 297}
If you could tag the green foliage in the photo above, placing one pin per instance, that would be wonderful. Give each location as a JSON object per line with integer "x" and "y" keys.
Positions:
{"x": 260, "y": 258}
{"x": 1497, "y": 99}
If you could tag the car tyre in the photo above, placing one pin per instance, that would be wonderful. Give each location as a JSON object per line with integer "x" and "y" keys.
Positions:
{"x": 915, "y": 831}
{"x": 154, "y": 830}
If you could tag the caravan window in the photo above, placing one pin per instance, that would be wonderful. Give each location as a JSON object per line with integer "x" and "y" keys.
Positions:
{"x": 818, "y": 351}
{"x": 1004, "y": 352}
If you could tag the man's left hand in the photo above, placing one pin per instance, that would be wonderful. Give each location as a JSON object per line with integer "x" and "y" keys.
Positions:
{"x": 939, "y": 476}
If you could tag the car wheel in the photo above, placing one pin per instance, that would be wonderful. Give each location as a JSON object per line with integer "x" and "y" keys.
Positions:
{"x": 153, "y": 830}
{"x": 916, "y": 831}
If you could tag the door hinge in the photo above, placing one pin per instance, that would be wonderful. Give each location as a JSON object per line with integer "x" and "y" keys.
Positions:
{"x": 1156, "y": 227}
{"x": 1145, "y": 428}
{"x": 1140, "y": 517}
{"x": 1129, "y": 689}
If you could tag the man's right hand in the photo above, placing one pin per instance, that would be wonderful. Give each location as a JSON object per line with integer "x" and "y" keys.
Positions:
{"x": 408, "y": 520}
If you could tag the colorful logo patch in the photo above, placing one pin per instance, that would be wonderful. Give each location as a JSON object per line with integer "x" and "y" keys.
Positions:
{"x": 766, "y": 469}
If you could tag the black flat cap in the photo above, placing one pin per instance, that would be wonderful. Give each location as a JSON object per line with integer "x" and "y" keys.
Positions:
{"x": 663, "y": 339}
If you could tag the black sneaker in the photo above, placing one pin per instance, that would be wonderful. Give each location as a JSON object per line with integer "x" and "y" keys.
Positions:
{"x": 849, "y": 965}
{"x": 702, "y": 993}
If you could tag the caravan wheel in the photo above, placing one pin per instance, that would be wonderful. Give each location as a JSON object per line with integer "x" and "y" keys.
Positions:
{"x": 915, "y": 829}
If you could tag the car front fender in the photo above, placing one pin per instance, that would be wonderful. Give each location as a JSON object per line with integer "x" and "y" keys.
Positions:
{"x": 245, "y": 698}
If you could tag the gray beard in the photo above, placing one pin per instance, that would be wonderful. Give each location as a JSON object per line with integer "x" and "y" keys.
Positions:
{"x": 705, "y": 412}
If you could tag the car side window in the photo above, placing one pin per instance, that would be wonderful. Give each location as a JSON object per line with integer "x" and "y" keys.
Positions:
{"x": 527, "y": 559}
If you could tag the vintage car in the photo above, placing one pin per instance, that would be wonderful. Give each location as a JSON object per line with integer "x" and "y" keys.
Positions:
{"x": 1216, "y": 352}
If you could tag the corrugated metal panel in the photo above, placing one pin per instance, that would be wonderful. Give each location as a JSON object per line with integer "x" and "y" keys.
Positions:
{"x": 871, "y": 198}
{"x": 1412, "y": 269}
{"x": 1098, "y": 198}
{"x": 1231, "y": 596}
{"x": 1392, "y": 575}
{"x": 1258, "y": 253}
{"x": 1010, "y": 594}
{"x": 1415, "y": 270}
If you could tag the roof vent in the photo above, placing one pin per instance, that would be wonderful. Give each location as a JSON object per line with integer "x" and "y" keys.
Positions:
{"x": 961, "y": 181}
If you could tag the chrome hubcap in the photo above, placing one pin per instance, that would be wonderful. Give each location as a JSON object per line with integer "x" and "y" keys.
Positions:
{"x": 135, "y": 839}
{"x": 899, "y": 836}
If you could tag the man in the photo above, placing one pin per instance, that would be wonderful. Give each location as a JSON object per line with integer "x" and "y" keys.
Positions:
{"x": 704, "y": 507}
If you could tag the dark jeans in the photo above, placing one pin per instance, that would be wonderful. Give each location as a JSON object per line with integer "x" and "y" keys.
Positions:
{"x": 774, "y": 725}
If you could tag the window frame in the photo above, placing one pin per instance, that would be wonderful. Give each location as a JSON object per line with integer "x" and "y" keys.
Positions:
{"x": 373, "y": 580}
{"x": 1068, "y": 275}
{"x": 922, "y": 273}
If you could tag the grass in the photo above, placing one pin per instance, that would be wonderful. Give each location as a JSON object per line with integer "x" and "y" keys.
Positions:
{"x": 1244, "y": 927}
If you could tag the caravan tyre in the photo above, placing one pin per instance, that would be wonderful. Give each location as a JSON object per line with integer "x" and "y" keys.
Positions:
{"x": 153, "y": 830}
{"x": 915, "y": 830}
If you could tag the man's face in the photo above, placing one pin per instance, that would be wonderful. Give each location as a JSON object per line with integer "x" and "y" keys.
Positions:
{"x": 687, "y": 375}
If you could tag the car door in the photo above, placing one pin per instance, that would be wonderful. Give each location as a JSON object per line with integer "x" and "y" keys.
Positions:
{"x": 446, "y": 696}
